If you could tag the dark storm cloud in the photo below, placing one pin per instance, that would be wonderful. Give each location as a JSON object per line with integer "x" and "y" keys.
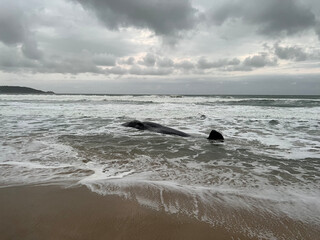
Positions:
{"x": 271, "y": 17}
{"x": 165, "y": 17}
{"x": 14, "y": 29}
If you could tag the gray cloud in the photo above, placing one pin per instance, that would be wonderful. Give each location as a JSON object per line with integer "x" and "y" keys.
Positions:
{"x": 259, "y": 61}
{"x": 104, "y": 60}
{"x": 203, "y": 63}
{"x": 70, "y": 44}
{"x": 317, "y": 29}
{"x": 165, "y": 18}
{"x": 30, "y": 49}
{"x": 148, "y": 60}
{"x": 271, "y": 17}
{"x": 71, "y": 65}
{"x": 136, "y": 70}
{"x": 165, "y": 62}
{"x": 11, "y": 60}
{"x": 13, "y": 28}
{"x": 185, "y": 65}
{"x": 250, "y": 63}
{"x": 127, "y": 61}
{"x": 116, "y": 70}
{"x": 290, "y": 53}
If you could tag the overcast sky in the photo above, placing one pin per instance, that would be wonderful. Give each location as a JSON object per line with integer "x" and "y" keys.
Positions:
{"x": 161, "y": 46}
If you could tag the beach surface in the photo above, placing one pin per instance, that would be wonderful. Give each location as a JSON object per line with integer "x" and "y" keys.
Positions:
{"x": 122, "y": 183}
{"x": 54, "y": 212}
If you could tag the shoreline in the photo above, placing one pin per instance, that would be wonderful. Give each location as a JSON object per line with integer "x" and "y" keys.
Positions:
{"x": 55, "y": 212}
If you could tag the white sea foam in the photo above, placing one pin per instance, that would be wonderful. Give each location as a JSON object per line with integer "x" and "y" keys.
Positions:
{"x": 173, "y": 198}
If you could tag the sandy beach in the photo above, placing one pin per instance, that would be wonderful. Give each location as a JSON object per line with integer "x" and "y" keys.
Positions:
{"x": 54, "y": 212}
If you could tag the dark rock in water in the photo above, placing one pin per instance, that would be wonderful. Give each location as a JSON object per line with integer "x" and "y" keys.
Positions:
{"x": 202, "y": 117}
{"x": 155, "y": 127}
{"x": 214, "y": 135}
{"x": 274, "y": 122}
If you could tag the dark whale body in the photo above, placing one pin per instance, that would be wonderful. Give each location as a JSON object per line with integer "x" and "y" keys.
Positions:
{"x": 155, "y": 127}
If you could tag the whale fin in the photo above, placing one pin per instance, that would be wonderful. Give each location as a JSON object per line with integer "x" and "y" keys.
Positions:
{"x": 214, "y": 135}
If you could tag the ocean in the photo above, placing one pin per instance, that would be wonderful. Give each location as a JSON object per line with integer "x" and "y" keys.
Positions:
{"x": 262, "y": 181}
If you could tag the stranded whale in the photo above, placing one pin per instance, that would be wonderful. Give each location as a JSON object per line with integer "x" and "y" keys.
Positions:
{"x": 155, "y": 127}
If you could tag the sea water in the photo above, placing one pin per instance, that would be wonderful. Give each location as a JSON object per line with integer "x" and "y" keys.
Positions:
{"x": 268, "y": 166}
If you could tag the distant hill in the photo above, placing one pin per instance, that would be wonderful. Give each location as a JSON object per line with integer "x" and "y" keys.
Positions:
{"x": 21, "y": 90}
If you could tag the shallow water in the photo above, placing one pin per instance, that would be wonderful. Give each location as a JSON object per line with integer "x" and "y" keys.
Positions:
{"x": 269, "y": 163}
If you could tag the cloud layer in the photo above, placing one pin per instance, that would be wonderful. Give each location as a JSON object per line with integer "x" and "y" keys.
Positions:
{"x": 165, "y": 18}
{"x": 158, "y": 39}
{"x": 270, "y": 17}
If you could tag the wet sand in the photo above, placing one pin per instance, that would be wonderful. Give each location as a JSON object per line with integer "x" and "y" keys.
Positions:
{"x": 54, "y": 212}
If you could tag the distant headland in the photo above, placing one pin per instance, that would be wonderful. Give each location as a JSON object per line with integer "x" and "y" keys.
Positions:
{"x": 21, "y": 90}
